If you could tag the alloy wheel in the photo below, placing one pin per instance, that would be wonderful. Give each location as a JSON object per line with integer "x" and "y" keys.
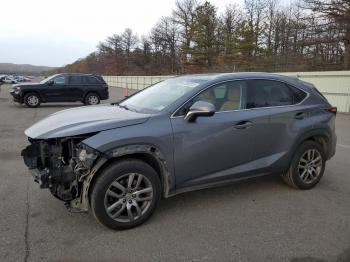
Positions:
{"x": 128, "y": 197}
{"x": 32, "y": 100}
{"x": 93, "y": 100}
{"x": 310, "y": 166}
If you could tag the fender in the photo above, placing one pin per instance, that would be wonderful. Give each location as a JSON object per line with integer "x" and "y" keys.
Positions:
{"x": 167, "y": 180}
{"x": 325, "y": 132}
{"x": 38, "y": 92}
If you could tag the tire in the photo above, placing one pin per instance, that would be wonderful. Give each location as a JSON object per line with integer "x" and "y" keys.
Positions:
{"x": 92, "y": 99}
{"x": 303, "y": 173}
{"x": 32, "y": 100}
{"x": 117, "y": 205}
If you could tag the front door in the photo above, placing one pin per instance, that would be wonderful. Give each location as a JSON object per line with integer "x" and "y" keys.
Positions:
{"x": 56, "y": 92}
{"x": 215, "y": 148}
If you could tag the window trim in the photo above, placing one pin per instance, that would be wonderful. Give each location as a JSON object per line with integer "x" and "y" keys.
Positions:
{"x": 98, "y": 82}
{"x": 64, "y": 77}
{"x": 243, "y": 79}
{"x": 69, "y": 80}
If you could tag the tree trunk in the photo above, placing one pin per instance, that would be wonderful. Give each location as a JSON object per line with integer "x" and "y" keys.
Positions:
{"x": 347, "y": 50}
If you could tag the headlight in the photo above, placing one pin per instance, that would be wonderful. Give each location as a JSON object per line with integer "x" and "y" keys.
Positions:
{"x": 86, "y": 153}
{"x": 83, "y": 155}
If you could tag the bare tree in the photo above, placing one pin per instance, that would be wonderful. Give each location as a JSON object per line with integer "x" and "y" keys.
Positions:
{"x": 229, "y": 22}
{"x": 184, "y": 16}
{"x": 255, "y": 12}
{"x": 336, "y": 12}
{"x": 129, "y": 41}
{"x": 261, "y": 35}
{"x": 205, "y": 31}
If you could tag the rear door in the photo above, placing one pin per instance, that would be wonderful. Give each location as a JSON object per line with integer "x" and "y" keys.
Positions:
{"x": 93, "y": 85}
{"x": 282, "y": 119}
{"x": 75, "y": 88}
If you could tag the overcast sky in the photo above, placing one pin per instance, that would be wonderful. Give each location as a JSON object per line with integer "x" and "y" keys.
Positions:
{"x": 58, "y": 32}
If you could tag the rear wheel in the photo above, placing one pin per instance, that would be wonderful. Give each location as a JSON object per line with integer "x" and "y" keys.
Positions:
{"x": 307, "y": 166}
{"x": 32, "y": 100}
{"x": 125, "y": 194}
{"x": 92, "y": 99}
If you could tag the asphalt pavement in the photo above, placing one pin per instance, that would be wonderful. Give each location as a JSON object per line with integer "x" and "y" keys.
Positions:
{"x": 256, "y": 220}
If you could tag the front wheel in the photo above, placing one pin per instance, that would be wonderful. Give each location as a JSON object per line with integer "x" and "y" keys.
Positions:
{"x": 32, "y": 100}
{"x": 307, "y": 166}
{"x": 125, "y": 194}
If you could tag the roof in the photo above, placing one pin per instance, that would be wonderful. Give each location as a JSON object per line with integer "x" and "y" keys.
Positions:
{"x": 76, "y": 74}
{"x": 238, "y": 75}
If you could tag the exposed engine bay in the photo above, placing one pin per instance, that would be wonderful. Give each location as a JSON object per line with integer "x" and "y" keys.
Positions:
{"x": 60, "y": 164}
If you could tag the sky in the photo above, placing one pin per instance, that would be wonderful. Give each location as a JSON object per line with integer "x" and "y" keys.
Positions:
{"x": 58, "y": 32}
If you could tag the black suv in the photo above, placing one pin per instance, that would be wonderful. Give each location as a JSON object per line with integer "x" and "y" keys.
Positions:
{"x": 88, "y": 88}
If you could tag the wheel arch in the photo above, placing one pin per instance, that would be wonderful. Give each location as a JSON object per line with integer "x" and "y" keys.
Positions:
{"x": 90, "y": 92}
{"x": 25, "y": 92}
{"x": 321, "y": 136}
{"x": 147, "y": 153}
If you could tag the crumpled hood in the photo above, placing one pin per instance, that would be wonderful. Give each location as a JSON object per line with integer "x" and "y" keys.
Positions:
{"x": 84, "y": 120}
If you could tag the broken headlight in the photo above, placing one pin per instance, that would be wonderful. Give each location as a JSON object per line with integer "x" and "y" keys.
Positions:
{"x": 85, "y": 157}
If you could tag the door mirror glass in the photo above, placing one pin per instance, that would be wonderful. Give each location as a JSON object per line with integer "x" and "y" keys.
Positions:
{"x": 200, "y": 108}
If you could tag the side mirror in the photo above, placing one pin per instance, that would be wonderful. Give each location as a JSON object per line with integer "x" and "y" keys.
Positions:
{"x": 200, "y": 108}
{"x": 50, "y": 83}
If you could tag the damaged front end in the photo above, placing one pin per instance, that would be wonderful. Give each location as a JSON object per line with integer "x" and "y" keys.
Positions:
{"x": 60, "y": 165}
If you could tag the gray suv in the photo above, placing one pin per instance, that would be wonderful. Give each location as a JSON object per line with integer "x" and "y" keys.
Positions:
{"x": 185, "y": 133}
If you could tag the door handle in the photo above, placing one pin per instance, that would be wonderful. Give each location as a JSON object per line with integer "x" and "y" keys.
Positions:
{"x": 299, "y": 115}
{"x": 243, "y": 125}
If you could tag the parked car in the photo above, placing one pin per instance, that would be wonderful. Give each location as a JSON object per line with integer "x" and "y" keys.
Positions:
{"x": 87, "y": 88}
{"x": 9, "y": 80}
{"x": 21, "y": 78}
{"x": 182, "y": 134}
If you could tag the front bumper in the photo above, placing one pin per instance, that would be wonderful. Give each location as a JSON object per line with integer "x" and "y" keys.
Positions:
{"x": 41, "y": 177}
{"x": 17, "y": 96}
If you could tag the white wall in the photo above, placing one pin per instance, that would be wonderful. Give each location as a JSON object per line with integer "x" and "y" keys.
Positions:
{"x": 334, "y": 85}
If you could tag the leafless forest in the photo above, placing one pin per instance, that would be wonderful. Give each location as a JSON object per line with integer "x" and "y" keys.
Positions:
{"x": 261, "y": 35}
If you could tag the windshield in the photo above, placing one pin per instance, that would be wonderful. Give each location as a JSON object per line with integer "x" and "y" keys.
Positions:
{"x": 157, "y": 97}
{"x": 47, "y": 79}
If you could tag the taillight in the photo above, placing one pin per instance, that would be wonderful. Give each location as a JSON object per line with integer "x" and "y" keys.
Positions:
{"x": 333, "y": 109}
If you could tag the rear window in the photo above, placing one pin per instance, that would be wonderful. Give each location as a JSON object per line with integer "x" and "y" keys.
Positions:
{"x": 298, "y": 95}
{"x": 268, "y": 93}
{"x": 321, "y": 95}
{"x": 91, "y": 80}
{"x": 75, "y": 80}
{"x": 309, "y": 85}
{"x": 100, "y": 78}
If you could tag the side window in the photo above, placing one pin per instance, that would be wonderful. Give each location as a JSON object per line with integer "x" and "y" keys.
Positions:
{"x": 234, "y": 99}
{"x": 226, "y": 96}
{"x": 75, "y": 80}
{"x": 91, "y": 80}
{"x": 298, "y": 95}
{"x": 266, "y": 93}
{"x": 61, "y": 80}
